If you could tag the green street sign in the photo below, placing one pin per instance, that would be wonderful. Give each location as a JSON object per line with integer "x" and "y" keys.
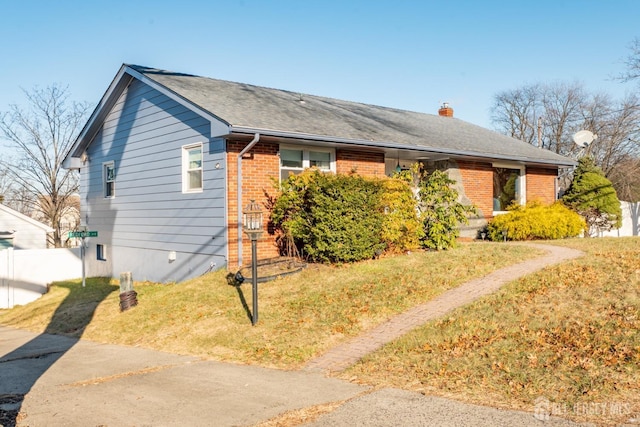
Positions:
{"x": 83, "y": 234}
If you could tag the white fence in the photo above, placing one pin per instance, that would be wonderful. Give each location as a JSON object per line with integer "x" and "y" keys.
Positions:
{"x": 630, "y": 221}
{"x": 25, "y": 273}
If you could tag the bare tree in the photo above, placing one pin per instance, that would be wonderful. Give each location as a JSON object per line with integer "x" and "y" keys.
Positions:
{"x": 41, "y": 136}
{"x": 545, "y": 115}
{"x": 632, "y": 63}
{"x": 625, "y": 177}
{"x": 5, "y": 183}
{"x": 515, "y": 112}
{"x": 617, "y": 125}
{"x": 562, "y": 110}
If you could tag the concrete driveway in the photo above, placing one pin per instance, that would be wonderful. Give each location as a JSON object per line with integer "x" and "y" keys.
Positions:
{"x": 91, "y": 384}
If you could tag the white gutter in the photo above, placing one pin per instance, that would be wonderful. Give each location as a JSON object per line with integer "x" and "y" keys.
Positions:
{"x": 254, "y": 141}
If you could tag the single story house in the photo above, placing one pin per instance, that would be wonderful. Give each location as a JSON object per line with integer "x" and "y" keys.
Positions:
{"x": 18, "y": 231}
{"x": 168, "y": 160}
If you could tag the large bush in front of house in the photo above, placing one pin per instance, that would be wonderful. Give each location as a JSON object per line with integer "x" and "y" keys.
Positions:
{"x": 330, "y": 217}
{"x": 401, "y": 228}
{"x": 592, "y": 195}
{"x": 346, "y": 218}
{"x": 440, "y": 211}
{"x": 536, "y": 222}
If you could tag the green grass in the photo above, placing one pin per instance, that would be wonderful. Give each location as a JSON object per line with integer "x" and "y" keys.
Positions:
{"x": 570, "y": 333}
{"x": 300, "y": 316}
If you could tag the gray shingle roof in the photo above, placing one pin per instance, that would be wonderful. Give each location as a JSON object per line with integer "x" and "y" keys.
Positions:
{"x": 259, "y": 108}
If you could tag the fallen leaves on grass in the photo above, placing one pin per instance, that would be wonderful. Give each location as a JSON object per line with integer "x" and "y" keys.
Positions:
{"x": 570, "y": 333}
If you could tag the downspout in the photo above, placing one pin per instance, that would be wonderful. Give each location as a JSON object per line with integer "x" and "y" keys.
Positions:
{"x": 253, "y": 142}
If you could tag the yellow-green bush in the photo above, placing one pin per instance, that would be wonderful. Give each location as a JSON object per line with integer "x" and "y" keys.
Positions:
{"x": 401, "y": 228}
{"x": 535, "y": 221}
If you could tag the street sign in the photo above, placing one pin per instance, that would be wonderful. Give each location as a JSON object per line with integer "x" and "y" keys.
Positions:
{"x": 83, "y": 234}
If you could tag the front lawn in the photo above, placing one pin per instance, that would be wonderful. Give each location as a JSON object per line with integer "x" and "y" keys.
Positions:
{"x": 569, "y": 334}
{"x": 300, "y": 316}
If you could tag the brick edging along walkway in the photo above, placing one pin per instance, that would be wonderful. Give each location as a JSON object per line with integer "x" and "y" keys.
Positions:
{"x": 341, "y": 357}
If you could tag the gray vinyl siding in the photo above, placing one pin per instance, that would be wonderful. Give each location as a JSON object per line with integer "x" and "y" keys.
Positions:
{"x": 150, "y": 215}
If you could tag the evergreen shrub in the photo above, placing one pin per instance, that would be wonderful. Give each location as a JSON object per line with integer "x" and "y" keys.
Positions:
{"x": 536, "y": 222}
{"x": 337, "y": 218}
{"x": 401, "y": 228}
{"x": 331, "y": 218}
{"x": 592, "y": 195}
{"x": 440, "y": 211}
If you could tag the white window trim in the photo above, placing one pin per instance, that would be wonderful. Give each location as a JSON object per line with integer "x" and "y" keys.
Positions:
{"x": 111, "y": 163}
{"x": 522, "y": 180}
{"x": 185, "y": 169}
{"x": 305, "y": 157}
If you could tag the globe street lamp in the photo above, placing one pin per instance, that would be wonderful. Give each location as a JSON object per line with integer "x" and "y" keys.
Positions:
{"x": 252, "y": 225}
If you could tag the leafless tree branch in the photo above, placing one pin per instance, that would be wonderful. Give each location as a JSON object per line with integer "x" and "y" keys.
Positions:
{"x": 41, "y": 136}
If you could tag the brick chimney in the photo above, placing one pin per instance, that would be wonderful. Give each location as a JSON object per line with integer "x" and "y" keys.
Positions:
{"x": 445, "y": 110}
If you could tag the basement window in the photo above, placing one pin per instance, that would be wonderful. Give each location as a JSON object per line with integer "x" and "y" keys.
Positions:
{"x": 508, "y": 186}
{"x": 293, "y": 160}
{"x": 100, "y": 254}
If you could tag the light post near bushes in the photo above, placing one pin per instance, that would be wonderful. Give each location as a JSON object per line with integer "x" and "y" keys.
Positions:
{"x": 252, "y": 225}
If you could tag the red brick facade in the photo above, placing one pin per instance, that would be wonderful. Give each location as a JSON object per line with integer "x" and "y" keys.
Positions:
{"x": 477, "y": 180}
{"x": 362, "y": 163}
{"x": 261, "y": 167}
{"x": 541, "y": 185}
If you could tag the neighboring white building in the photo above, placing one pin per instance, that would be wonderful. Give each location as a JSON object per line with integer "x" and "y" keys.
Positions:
{"x": 21, "y": 232}
{"x": 630, "y": 221}
{"x": 27, "y": 267}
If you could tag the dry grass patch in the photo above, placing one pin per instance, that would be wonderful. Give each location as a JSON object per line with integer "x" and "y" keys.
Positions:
{"x": 570, "y": 334}
{"x": 300, "y": 316}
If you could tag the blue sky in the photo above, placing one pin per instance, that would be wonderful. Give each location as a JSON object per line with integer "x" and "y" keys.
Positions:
{"x": 405, "y": 54}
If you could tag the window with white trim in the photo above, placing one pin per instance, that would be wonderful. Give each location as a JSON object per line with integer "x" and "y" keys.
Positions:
{"x": 508, "y": 185}
{"x": 294, "y": 160}
{"x": 109, "y": 179}
{"x": 192, "y": 168}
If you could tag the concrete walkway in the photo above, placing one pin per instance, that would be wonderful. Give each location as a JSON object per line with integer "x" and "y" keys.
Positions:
{"x": 341, "y": 357}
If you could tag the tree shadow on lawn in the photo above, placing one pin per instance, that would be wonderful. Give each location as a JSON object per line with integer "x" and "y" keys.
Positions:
{"x": 21, "y": 368}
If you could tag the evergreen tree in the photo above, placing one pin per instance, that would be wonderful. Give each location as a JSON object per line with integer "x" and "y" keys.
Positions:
{"x": 440, "y": 211}
{"x": 592, "y": 195}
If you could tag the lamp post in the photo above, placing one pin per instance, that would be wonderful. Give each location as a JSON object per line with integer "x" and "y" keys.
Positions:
{"x": 252, "y": 225}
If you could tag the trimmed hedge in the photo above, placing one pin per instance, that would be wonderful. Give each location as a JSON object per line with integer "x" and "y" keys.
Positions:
{"x": 536, "y": 222}
{"x": 331, "y": 217}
